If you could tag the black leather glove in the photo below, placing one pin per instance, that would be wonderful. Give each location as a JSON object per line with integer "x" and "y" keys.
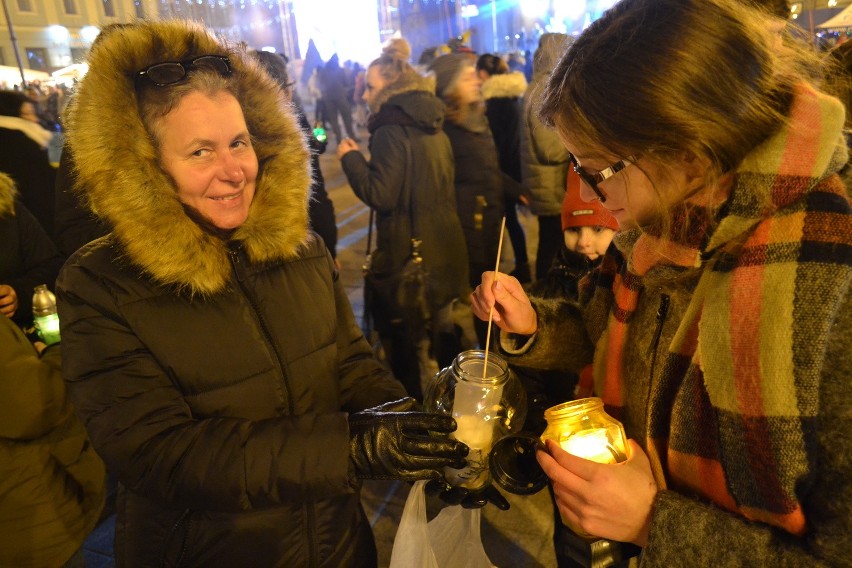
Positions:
{"x": 465, "y": 497}
{"x": 392, "y": 442}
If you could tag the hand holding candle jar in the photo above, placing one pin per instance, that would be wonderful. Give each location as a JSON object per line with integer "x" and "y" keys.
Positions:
{"x": 583, "y": 429}
{"x": 602, "y": 483}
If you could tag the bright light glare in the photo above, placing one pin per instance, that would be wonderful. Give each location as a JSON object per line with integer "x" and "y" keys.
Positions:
{"x": 470, "y": 11}
{"x": 59, "y": 34}
{"x": 330, "y": 23}
{"x": 569, "y": 9}
{"x": 89, "y": 33}
{"x": 534, "y": 8}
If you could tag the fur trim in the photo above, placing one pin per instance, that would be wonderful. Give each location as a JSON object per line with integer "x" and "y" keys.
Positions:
{"x": 511, "y": 85}
{"x": 7, "y": 195}
{"x": 409, "y": 81}
{"x": 118, "y": 171}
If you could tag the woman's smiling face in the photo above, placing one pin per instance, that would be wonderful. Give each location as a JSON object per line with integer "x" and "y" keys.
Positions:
{"x": 205, "y": 147}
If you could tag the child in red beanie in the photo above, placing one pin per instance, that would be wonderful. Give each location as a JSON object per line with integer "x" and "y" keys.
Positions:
{"x": 587, "y": 229}
{"x": 587, "y": 226}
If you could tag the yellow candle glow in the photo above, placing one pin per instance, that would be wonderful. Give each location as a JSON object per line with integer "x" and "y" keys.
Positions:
{"x": 592, "y": 445}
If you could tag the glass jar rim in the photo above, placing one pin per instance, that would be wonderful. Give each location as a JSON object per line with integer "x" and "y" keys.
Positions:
{"x": 573, "y": 408}
{"x": 478, "y": 356}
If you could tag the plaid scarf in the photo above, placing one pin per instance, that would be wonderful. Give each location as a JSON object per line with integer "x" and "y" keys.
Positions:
{"x": 732, "y": 411}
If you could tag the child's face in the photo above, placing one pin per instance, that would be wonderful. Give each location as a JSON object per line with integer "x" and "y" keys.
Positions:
{"x": 590, "y": 241}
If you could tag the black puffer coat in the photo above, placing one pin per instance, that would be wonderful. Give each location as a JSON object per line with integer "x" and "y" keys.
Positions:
{"x": 409, "y": 178}
{"x": 480, "y": 194}
{"x": 214, "y": 378}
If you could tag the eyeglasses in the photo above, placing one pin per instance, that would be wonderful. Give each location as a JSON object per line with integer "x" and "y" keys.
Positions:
{"x": 171, "y": 72}
{"x": 592, "y": 180}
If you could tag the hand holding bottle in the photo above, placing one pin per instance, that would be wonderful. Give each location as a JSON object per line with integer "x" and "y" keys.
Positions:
{"x": 8, "y": 300}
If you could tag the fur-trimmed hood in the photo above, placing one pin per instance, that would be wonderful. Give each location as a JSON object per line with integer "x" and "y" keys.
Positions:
{"x": 506, "y": 85}
{"x": 120, "y": 179}
{"x": 408, "y": 81}
{"x": 7, "y": 195}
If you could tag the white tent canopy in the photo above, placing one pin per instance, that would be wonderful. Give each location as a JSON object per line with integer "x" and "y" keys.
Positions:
{"x": 840, "y": 20}
{"x": 12, "y": 75}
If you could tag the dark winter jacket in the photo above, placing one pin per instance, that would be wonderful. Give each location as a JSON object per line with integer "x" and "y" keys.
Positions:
{"x": 480, "y": 194}
{"x": 214, "y": 377}
{"x": 27, "y": 255}
{"x": 74, "y": 225}
{"x": 502, "y": 95}
{"x": 320, "y": 207}
{"x": 51, "y": 479}
{"x": 26, "y": 162}
{"x": 410, "y": 177}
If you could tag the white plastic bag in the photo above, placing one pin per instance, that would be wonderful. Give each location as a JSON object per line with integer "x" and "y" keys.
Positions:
{"x": 450, "y": 540}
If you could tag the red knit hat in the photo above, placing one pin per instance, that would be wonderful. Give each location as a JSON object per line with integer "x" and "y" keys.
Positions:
{"x": 579, "y": 213}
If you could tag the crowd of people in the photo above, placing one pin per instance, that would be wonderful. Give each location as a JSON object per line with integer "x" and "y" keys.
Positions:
{"x": 693, "y": 264}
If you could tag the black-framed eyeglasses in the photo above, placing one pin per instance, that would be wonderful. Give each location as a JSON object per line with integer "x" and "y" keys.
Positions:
{"x": 592, "y": 180}
{"x": 171, "y": 72}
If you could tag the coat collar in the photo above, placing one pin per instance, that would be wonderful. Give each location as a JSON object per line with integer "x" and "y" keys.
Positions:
{"x": 507, "y": 85}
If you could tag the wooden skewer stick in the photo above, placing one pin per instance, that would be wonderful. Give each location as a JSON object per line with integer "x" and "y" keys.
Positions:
{"x": 491, "y": 311}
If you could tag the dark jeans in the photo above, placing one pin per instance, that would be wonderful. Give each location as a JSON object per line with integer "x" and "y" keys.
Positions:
{"x": 550, "y": 240}
{"x": 339, "y": 106}
{"x": 516, "y": 231}
{"x": 400, "y": 345}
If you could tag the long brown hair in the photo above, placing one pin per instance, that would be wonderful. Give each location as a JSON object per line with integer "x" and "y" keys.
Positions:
{"x": 709, "y": 78}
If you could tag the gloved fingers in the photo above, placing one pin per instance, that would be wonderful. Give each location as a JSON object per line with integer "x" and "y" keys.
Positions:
{"x": 401, "y": 405}
{"x": 474, "y": 501}
{"x": 436, "y": 486}
{"x": 446, "y": 492}
{"x": 427, "y": 421}
{"x": 417, "y": 474}
{"x": 493, "y": 495}
{"x": 435, "y": 447}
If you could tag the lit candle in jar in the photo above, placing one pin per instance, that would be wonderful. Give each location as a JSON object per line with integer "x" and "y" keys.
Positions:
{"x": 593, "y": 445}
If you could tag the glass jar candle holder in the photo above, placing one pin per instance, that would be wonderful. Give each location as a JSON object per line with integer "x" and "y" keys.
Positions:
{"x": 582, "y": 428}
{"x": 486, "y": 400}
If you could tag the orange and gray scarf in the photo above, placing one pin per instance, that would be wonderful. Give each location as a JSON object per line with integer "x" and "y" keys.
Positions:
{"x": 748, "y": 353}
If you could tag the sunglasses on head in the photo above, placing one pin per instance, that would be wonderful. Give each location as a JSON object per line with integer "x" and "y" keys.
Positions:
{"x": 171, "y": 72}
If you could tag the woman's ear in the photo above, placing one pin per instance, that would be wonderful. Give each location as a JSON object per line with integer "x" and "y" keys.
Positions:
{"x": 694, "y": 168}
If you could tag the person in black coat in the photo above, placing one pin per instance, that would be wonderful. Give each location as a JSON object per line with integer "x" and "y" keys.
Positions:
{"x": 27, "y": 256}
{"x": 320, "y": 209}
{"x": 481, "y": 187}
{"x": 502, "y": 92}
{"x": 409, "y": 183}
{"x": 335, "y": 98}
{"x": 208, "y": 344}
{"x": 23, "y": 156}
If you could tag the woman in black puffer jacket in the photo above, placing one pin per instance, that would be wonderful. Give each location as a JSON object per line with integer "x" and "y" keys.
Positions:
{"x": 208, "y": 344}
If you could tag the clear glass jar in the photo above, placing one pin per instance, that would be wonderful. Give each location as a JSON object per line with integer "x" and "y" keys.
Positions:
{"x": 486, "y": 406}
{"x": 582, "y": 428}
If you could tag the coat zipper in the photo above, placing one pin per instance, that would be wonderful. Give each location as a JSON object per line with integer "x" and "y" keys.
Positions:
{"x": 662, "y": 312}
{"x": 238, "y": 271}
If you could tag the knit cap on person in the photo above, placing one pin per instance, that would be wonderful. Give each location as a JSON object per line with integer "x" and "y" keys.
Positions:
{"x": 447, "y": 70}
{"x": 579, "y": 213}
